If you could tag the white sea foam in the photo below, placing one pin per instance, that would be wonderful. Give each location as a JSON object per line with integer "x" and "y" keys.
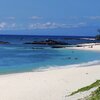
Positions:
{"x": 87, "y": 64}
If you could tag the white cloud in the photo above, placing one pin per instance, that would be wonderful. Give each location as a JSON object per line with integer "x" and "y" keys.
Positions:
{"x": 6, "y": 26}
{"x": 93, "y": 17}
{"x": 81, "y": 24}
{"x": 83, "y": 17}
{"x": 54, "y": 25}
{"x": 13, "y": 25}
{"x": 43, "y": 25}
{"x": 35, "y": 17}
{"x": 2, "y": 25}
{"x": 48, "y": 25}
{"x": 10, "y": 18}
{"x": 73, "y": 17}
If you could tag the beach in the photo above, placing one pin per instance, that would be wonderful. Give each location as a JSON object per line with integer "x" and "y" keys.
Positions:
{"x": 48, "y": 85}
{"x": 50, "y": 50}
{"x": 54, "y": 84}
{"x": 87, "y": 46}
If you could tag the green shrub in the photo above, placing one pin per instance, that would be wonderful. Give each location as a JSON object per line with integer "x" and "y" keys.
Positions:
{"x": 93, "y": 85}
{"x": 97, "y": 37}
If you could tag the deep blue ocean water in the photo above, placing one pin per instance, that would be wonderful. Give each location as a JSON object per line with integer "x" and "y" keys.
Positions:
{"x": 20, "y": 57}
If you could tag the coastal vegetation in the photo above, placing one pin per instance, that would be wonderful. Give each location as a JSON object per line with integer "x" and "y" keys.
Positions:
{"x": 97, "y": 37}
{"x": 95, "y": 95}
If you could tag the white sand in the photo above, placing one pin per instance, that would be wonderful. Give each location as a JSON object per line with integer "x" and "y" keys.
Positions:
{"x": 90, "y": 46}
{"x": 48, "y": 85}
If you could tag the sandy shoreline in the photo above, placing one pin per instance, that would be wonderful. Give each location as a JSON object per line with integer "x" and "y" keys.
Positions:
{"x": 87, "y": 46}
{"x": 48, "y": 85}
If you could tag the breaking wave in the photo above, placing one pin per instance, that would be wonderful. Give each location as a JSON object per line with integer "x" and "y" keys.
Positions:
{"x": 87, "y": 64}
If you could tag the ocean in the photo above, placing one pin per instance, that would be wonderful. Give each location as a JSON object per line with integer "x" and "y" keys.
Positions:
{"x": 19, "y": 57}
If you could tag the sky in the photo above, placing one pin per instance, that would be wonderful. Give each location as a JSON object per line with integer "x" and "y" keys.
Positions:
{"x": 63, "y": 17}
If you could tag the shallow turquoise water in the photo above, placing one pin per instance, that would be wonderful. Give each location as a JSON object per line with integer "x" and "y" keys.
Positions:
{"x": 23, "y": 58}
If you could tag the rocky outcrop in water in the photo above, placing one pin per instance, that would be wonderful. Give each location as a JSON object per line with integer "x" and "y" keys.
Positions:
{"x": 48, "y": 42}
{"x": 58, "y": 46}
{"x": 3, "y": 42}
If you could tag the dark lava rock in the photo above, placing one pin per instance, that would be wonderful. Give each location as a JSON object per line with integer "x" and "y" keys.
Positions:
{"x": 58, "y": 46}
{"x": 37, "y": 48}
{"x": 3, "y": 42}
{"x": 47, "y": 42}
